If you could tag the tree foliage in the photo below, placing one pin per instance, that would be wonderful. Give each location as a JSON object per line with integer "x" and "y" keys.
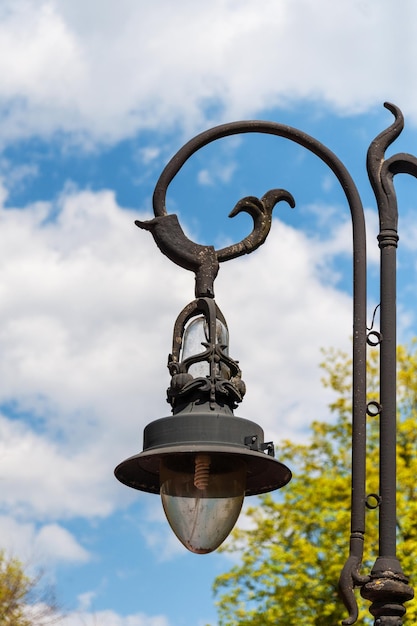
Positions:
{"x": 20, "y": 604}
{"x": 290, "y": 554}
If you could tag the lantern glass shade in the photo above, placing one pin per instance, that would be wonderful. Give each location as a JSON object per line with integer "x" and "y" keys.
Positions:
{"x": 202, "y": 496}
{"x": 195, "y": 341}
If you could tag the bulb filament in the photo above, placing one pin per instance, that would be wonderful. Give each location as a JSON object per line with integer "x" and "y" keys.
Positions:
{"x": 202, "y": 471}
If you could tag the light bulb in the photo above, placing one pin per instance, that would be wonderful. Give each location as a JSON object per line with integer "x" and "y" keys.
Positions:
{"x": 202, "y": 496}
{"x": 202, "y": 471}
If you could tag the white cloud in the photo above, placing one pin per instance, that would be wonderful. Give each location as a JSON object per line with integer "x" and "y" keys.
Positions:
{"x": 102, "y": 618}
{"x": 339, "y": 240}
{"x": 149, "y": 154}
{"x": 39, "y": 545}
{"x": 409, "y": 232}
{"x": 103, "y": 71}
{"x": 219, "y": 173}
{"x": 85, "y": 600}
{"x": 42, "y": 478}
{"x": 55, "y": 543}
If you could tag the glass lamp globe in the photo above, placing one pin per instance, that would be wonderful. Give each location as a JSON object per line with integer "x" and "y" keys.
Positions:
{"x": 202, "y": 496}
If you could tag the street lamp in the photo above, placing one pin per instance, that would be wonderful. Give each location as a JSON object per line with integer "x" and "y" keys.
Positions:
{"x": 203, "y": 459}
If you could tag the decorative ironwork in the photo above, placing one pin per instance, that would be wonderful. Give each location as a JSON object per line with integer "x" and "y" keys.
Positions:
{"x": 204, "y": 260}
{"x": 223, "y": 382}
{"x": 221, "y": 386}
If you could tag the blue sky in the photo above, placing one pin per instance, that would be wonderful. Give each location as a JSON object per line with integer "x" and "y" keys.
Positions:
{"x": 94, "y": 99}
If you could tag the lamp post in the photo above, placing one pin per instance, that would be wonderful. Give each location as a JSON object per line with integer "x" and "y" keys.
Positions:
{"x": 203, "y": 459}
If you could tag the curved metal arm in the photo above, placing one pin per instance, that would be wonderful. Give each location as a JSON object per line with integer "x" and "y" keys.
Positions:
{"x": 204, "y": 261}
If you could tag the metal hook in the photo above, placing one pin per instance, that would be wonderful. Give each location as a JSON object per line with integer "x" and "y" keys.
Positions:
{"x": 370, "y": 338}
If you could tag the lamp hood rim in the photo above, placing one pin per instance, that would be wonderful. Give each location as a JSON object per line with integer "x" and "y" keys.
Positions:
{"x": 264, "y": 472}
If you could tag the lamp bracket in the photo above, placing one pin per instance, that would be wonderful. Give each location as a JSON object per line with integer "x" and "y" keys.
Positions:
{"x": 204, "y": 260}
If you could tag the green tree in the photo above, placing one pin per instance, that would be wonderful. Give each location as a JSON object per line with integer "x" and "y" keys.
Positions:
{"x": 294, "y": 544}
{"x": 21, "y": 603}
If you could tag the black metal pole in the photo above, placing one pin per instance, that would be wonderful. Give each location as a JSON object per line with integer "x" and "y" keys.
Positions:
{"x": 388, "y": 389}
{"x": 388, "y": 587}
